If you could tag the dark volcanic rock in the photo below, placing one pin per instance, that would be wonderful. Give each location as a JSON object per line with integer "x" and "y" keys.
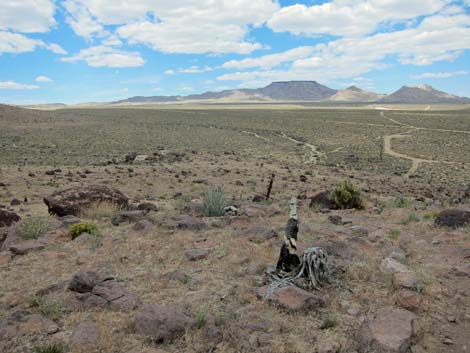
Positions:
{"x": 454, "y": 218}
{"x": 86, "y": 334}
{"x": 84, "y": 281}
{"x": 291, "y": 298}
{"x": 7, "y": 218}
{"x": 322, "y": 199}
{"x": 73, "y": 200}
{"x": 161, "y": 323}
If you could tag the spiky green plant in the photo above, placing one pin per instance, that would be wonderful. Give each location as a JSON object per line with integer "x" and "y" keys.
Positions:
{"x": 214, "y": 202}
{"x": 34, "y": 227}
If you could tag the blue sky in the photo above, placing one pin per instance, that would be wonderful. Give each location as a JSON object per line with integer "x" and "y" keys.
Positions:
{"x": 75, "y": 51}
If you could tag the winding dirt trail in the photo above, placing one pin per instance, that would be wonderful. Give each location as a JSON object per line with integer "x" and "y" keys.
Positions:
{"x": 415, "y": 162}
{"x": 315, "y": 154}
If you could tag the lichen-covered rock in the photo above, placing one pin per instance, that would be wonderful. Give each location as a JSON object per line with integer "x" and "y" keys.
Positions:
{"x": 72, "y": 201}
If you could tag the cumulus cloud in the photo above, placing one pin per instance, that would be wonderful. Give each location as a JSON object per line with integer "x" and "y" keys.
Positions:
{"x": 27, "y": 16}
{"x": 43, "y": 79}
{"x": 16, "y": 86}
{"x": 348, "y": 17}
{"x": 434, "y": 39}
{"x": 271, "y": 60}
{"x": 440, "y": 74}
{"x": 184, "y": 26}
{"x": 103, "y": 56}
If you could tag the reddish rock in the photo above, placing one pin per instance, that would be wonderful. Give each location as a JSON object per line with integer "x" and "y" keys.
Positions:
{"x": 197, "y": 254}
{"x": 405, "y": 280}
{"x": 24, "y": 323}
{"x": 85, "y": 335}
{"x": 388, "y": 330}
{"x": 162, "y": 323}
{"x": 291, "y": 298}
{"x": 409, "y": 300}
{"x": 322, "y": 200}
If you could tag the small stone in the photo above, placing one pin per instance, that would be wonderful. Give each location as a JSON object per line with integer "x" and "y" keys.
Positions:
{"x": 409, "y": 300}
{"x": 292, "y": 298}
{"x": 405, "y": 280}
{"x": 197, "y": 254}
{"x": 27, "y": 246}
{"x": 85, "y": 280}
{"x": 392, "y": 266}
{"x": 358, "y": 231}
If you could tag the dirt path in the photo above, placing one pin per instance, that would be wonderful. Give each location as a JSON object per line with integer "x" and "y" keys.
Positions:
{"x": 315, "y": 154}
{"x": 415, "y": 162}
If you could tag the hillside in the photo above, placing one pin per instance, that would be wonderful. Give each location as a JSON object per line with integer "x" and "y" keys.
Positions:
{"x": 422, "y": 94}
{"x": 355, "y": 94}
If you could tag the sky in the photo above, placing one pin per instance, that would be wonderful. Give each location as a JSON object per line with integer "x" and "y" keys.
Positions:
{"x": 72, "y": 51}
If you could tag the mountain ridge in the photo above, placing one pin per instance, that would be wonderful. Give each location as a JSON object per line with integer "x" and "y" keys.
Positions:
{"x": 308, "y": 91}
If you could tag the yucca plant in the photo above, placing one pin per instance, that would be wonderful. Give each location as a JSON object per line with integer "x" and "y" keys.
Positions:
{"x": 214, "y": 202}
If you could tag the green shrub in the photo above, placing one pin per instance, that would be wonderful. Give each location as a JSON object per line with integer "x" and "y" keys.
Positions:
{"x": 214, "y": 202}
{"x": 412, "y": 217}
{"x": 34, "y": 227}
{"x": 346, "y": 196}
{"x": 50, "y": 348}
{"x": 83, "y": 227}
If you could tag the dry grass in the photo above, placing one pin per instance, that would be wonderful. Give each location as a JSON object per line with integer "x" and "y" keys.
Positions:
{"x": 100, "y": 209}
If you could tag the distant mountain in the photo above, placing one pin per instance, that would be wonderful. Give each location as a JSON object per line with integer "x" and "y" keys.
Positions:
{"x": 423, "y": 94}
{"x": 280, "y": 91}
{"x": 307, "y": 91}
{"x": 355, "y": 94}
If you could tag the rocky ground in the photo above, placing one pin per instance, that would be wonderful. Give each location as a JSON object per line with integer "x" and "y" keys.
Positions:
{"x": 161, "y": 277}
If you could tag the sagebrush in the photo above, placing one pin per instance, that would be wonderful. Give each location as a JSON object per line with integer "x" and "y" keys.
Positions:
{"x": 34, "y": 227}
{"x": 346, "y": 196}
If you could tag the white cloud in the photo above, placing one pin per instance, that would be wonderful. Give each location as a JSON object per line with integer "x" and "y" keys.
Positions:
{"x": 271, "y": 60}
{"x": 184, "y": 26}
{"x": 81, "y": 20}
{"x": 27, "y": 16}
{"x": 349, "y": 17}
{"x": 169, "y": 72}
{"x": 103, "y": 56}
{"x": 43, "y": 79}
{"x": 431, "y": 41}
{"x": 195, "y": 70}
{"x": 16, "y": 86}
{"x": 56, "y": 49}
{"x": 440, "y": 74}
{"x": 15, "y": 43}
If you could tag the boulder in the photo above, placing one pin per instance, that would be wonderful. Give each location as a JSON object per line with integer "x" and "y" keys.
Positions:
{"x": 72, "y": 201}
{"x": 86, "y": 334}
{"x": 322, "y": 200}
{"x": 388, "y": 330}
{"x": 258, "y": 234}
{"x": 291, "y": 298}
{"x": 8, "y": 218}
{"x": 453, "y": 218}
{"x": 24, "y": 323}
{"x": 162, "y": 323}
{"x": 84, "y": 281}
{"x": 409, "y": 300}
{"x": 406, "y": 280}
{"x": 27, "y": 246}
{"x": 391, "y": 266}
